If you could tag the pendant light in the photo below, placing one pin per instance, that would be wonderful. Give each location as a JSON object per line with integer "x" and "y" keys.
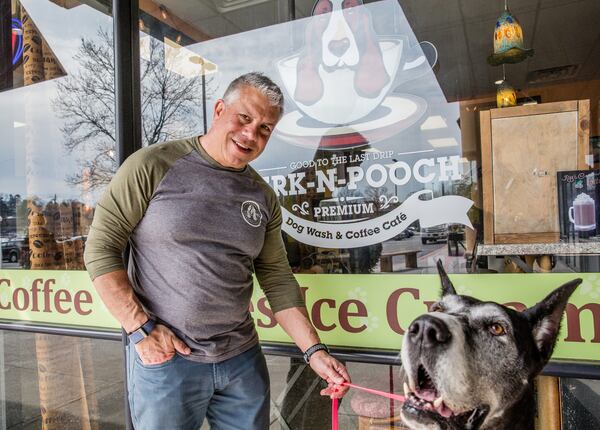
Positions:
{"x": 508, "y": 40}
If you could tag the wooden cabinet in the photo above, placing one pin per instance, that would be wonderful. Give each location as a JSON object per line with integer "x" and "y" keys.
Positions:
{"x": 522, "y": 148}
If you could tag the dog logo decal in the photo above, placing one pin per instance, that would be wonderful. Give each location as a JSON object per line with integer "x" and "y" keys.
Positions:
{"x": 347, "y": 41}
{"x": 343, "y": 58}
{"x": 251, "y": 213}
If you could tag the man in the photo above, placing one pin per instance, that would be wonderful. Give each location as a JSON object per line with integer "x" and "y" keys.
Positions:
{"x": 199, "y": 222}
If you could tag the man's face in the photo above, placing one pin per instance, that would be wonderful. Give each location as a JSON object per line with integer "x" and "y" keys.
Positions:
{"x": 243, "y": 127}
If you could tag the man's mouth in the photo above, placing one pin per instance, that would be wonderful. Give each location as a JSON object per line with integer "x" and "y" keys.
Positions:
{"x": 242, "y": 147}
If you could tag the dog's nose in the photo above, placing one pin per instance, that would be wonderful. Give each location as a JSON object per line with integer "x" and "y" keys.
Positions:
{"x": 338, "y": 47}
{"x": 429, "y": 331}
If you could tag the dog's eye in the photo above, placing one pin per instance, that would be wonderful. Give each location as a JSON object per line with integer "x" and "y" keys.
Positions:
{"x": 436, "y": 307}
{"x": 497, "y": 329}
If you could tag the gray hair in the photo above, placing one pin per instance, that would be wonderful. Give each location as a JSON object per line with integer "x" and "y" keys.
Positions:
{"x": 259, "y": 81}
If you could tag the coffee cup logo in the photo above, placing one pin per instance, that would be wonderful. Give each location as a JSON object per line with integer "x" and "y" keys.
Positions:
{"x": 583, "y": 213}
{"x": 342, "y": 77}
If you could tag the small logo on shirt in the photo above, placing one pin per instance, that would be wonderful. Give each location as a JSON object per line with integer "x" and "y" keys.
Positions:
{"x": 251, "y": 213}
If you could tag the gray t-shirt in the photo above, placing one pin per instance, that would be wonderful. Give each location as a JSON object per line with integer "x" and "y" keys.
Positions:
{"x": 197, "y": 232}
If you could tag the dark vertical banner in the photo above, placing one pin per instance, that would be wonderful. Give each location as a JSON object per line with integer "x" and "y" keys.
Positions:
{"x": 6, "y": 45}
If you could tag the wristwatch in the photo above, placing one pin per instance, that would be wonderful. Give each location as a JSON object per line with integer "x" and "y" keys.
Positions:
{"x": 310, "y": 351}
{"x": 141, "y": 333}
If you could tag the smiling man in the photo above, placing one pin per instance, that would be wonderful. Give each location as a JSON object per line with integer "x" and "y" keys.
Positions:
{"x": 200, "y": 221}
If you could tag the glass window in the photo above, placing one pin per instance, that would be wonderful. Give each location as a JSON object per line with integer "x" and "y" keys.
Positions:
{"x": 414, "y": 131}
{"x": 383, "y": 158}
{"x": 59, "y": 382}
{"x": 58, "y": 127}
{"x": 57, "y": 152}
{"x": 580, "y": 399}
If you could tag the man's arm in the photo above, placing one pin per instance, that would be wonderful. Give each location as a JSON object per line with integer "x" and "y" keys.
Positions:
{"x": 283, "y": 293}
{"x": 297, "y": 325}
{"x": 120, "y": 299}
{"x": 117, "y": 213}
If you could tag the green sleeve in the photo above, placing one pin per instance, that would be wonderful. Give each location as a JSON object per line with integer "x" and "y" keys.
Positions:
{"x": 273, "y": 270}
{"x": 123, "y": 205}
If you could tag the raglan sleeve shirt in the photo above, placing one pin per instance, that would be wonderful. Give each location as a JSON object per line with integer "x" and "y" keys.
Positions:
{"x": 127, "y": 197}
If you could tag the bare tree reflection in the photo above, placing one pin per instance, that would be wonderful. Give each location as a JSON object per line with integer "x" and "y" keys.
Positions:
{"x": 171, "y": 107}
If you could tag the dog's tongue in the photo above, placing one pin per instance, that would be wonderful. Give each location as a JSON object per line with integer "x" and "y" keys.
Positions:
{"x": 430, "y": 396}
{"x": 444, "y": 411}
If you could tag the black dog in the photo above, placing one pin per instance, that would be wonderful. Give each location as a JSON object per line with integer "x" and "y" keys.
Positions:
{"x": 470, "y": 364}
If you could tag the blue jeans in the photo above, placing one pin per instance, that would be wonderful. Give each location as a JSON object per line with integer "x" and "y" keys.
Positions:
{"x": 180, "y": 393}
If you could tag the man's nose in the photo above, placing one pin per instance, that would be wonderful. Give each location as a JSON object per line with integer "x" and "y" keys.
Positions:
{"x": 429, "y": 331}
{"x": 250, "y": 132}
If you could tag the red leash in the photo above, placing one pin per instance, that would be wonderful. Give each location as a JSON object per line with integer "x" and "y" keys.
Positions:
{"x": 334, "y": 402}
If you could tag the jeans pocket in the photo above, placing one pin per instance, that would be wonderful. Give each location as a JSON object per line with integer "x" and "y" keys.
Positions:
{"x": 138, "y": 361}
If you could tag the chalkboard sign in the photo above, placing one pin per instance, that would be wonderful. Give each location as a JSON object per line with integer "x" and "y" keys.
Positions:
{"x": 578, "y": 208}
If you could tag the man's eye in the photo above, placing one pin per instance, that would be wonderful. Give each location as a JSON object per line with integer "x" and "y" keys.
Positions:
{"x": 497, "y": 329}
{"x": 266, "y": 128}
{"x": 244, "y": 118}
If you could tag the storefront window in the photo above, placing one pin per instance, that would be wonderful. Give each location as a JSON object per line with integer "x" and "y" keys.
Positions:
{"x": 58, "y": 382}
{"x": 57, "y": 152}
{"x": 58, "y": 145}
{"x": 580, "y": 399}
{"x": 414, "y": 131}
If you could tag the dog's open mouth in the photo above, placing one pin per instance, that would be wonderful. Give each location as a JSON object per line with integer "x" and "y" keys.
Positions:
{"x": 425, "y": 396}
{"x": 424, "y": 402}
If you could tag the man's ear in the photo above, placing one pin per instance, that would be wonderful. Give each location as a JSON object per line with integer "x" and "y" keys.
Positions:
{"x": 219, "y": 109}
{"x": 545, "y": 317}
{"x": 447, "y": 287}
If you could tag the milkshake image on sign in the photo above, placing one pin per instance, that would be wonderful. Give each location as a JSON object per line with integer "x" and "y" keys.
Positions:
{"x": 583, "y": 213}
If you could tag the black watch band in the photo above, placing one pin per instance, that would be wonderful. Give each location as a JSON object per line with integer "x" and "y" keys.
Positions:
{"x": 141, "y": 333}
{"x": 310, "y": 351}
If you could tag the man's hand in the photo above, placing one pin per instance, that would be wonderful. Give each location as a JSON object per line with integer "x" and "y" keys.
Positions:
{"x": 296, "y": 323}
{"x": 160, "y": 346}
{"x": 332, "y": 371}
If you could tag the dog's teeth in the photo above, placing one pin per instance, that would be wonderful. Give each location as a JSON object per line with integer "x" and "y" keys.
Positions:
{"x": 406, "y": 390}
{"x": 438, "y": 402}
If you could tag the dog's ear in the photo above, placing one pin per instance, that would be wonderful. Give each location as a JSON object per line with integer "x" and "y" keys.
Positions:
{"x": 545, "y": 317}
{"x": 447, "y": 287}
